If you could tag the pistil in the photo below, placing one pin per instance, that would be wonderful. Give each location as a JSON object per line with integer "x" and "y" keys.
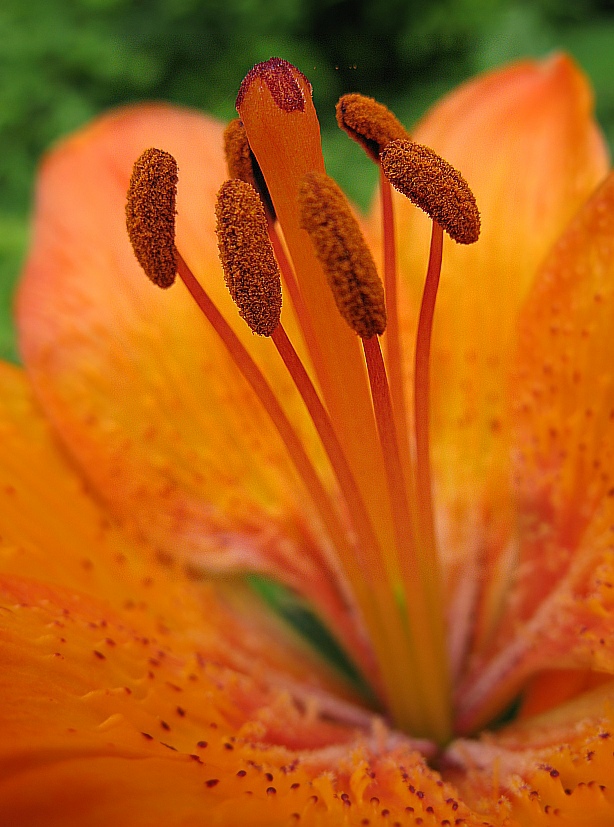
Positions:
{"x": 284, "y": 136}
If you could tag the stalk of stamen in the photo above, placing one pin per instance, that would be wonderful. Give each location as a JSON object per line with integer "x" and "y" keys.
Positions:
{"x": 424, "y": 616}
{"x": 441, "y": 191}
{"x": 421, "y": 406}
{"x": 394, "y": 355}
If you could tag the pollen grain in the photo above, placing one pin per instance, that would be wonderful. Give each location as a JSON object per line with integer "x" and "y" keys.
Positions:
{"x": 343, "y": 254}
{"x": 435, "y": 186}
{"x": 369, "y": 123}
{"x": 250, "y": 269}
{"x": 150, "y": 215}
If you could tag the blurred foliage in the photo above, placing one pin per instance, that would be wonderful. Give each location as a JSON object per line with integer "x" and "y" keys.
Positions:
{"x": 63, "y": 61}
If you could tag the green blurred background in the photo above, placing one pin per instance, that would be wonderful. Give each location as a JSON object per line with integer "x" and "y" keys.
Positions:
{"x": 62, "y": 61}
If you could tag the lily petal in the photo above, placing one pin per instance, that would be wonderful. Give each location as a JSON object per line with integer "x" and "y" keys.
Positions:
{"x": 560, "y": 612}
{"x": 555, "y": 768}
{"x": 130, "y": 699}
{"x": 525, "y": 140}
{"x": 139, "y": 386}
{"x": 53, "y": 528}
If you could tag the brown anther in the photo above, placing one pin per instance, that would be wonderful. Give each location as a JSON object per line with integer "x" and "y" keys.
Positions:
{"x": 369, "y": 123}
{"x": 435, "y": 186}
{"x": 150, "y": 215}
{"x": 282, "y": 81}
{"x": 242, "y": 164}
{"x": 250, "y": 269}
{"x": 343, "y": 254}
{"x": 237, "y": 152}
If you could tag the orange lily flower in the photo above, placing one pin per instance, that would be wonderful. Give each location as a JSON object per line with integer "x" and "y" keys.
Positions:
{"x": 151, "y": 455}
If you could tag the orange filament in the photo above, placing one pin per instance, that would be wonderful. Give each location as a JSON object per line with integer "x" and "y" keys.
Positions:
{"x": 365, "y": 568}
{"x": 333, "y": 231}
{"x": 394, "y": 355}
{"x": 421, "y": 392}
{"x": 343, "y": 254}
{"x": 150, "y": 215}
{"x": 435, "y": 186}
{"x": 419, "y": 572}
{"x": 250, "y": 269}
{"x": 369, "y": 123}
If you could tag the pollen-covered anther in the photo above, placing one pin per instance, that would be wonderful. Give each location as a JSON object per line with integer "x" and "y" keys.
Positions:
{"x": 250, "y": 269}
{"x": 150, "y": 215}
{"x": 369, "y": 123}
{"x": 242, "y": 164}
{"x": 343, "y": 254}
{"x": 237, "y": 152}
{"x": 435, "y": 186}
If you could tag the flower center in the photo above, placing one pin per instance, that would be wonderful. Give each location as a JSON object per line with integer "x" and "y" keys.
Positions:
{"x": 380, "y": 517}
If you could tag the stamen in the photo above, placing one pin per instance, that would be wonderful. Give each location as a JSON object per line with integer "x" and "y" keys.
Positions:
{"x": 291, "y": 439}
{"x": 281, "y": 79}
{"x": 343, "y": 254}
{"x": 369, "y": 123}
{"x": 242, "y": 164}
{"x": 373, "y": 126}
{"x": 150, "y": 215}
{"x": 435, "y": 186}
{"x": 250, "y": 269}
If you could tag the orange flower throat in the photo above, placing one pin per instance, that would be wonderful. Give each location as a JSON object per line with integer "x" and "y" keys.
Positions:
{"x": 282, "y": 220}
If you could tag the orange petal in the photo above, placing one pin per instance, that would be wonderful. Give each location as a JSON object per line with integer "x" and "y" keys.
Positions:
{"x": 131, "y": 695}
{"x": 525, "y": 140}
{"x": 560, "y": 613}
{"x": 104, "y": 726}
{"x": 139, "y": 386}
{"x": 554, "y": 769}
{"x": 106, "y": 716}
{"x": 52, "y": 528}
